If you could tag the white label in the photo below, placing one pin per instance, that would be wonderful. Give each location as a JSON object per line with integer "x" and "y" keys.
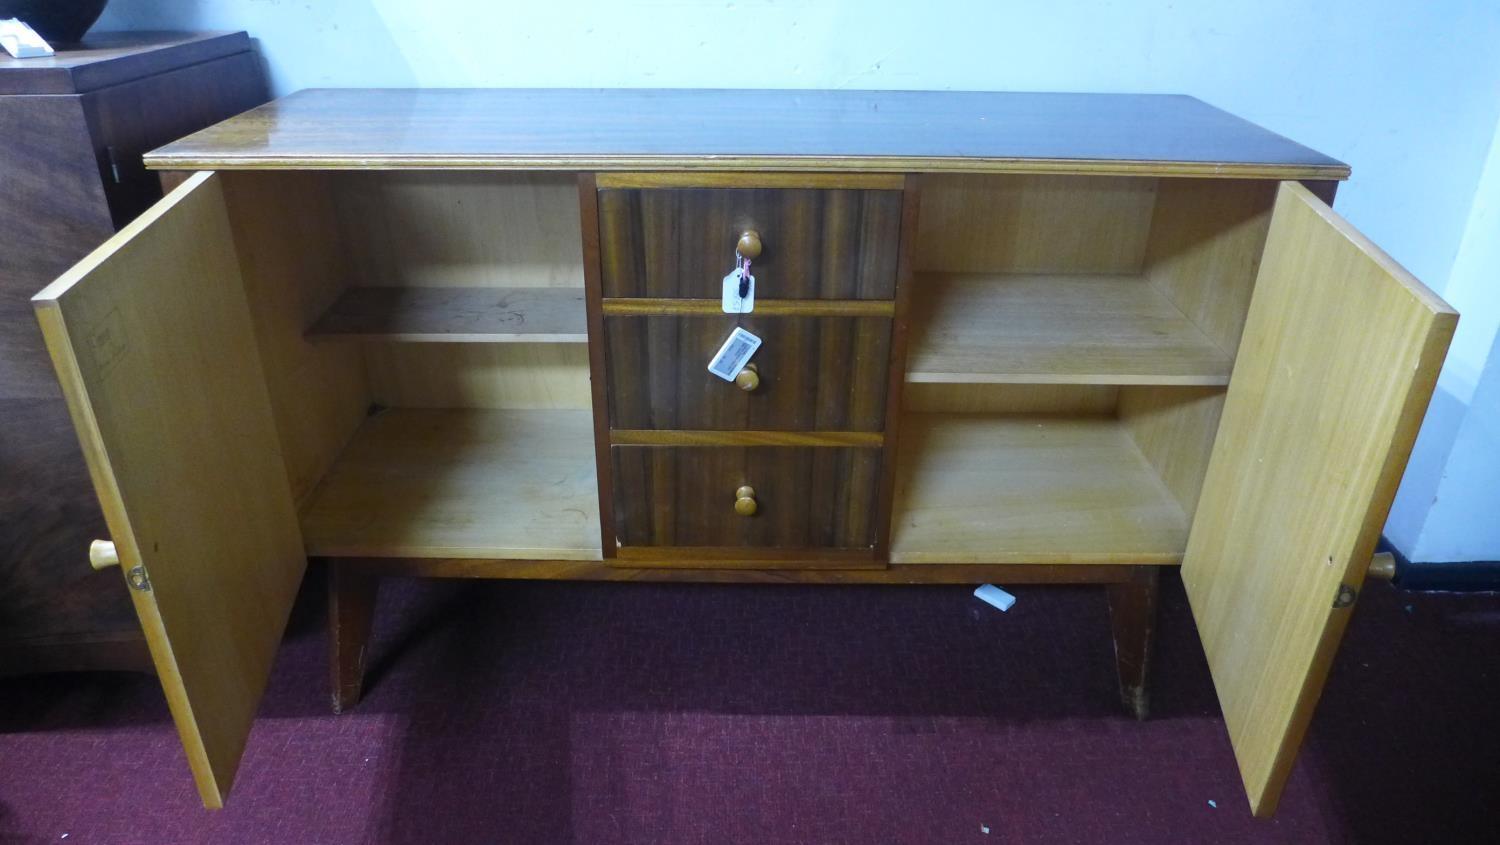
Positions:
{"x": 733, "y": 302}
{"x": 21, "y": 41}
{"x": 734, "y": 354}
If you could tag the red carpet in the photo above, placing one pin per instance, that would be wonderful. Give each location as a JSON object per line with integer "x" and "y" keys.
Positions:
{"x": 514, "y": 712}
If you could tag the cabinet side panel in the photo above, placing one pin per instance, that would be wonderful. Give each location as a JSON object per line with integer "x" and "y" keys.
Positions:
{"x": 293, "y": 264}
{"x": 1205, "y": 249}
{"x": 1174, "y": 428}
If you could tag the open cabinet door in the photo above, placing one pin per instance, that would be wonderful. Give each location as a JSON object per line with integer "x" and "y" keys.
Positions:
{"x": 152, "y": 341}
{"x": 1340, "y": 354}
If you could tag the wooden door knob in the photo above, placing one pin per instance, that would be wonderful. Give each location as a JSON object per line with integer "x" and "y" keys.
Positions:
{"x": 102, "y": 554}
{"x": 747, "y": 379}
{"x": 744, "y": 501}
{"x": 749, "y": 245}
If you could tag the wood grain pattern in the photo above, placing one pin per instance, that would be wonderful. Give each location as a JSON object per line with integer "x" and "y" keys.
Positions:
{"x": 153, "y": 342}
{"x": 981, "y": 489}
{"x": 816, "y": 373}
{"x": 684, "y": 496}
{"x": 1034, "y": 224}
{"x": 442, "y": 229}
{"x": 1205, "y": 248}
{"x": 885, "y": 495}
{"x": 292, "y": 269}
{"x": 733, "y": 557}
{"x": 643, "y": 129}
{"x": 651, "y": 306}
{"x": 648, "y": 437}
{"x": 1086, "y": 400}
{"x": 456, "y": 315}
{"x": 352, "y": 591}
{"x": 708, "y": 179}
{"x": 518, "y": 376}
{"x": 460, "y": 483}
{"x": 1340, "y": 354}
{"x": 818, "y": 244}
{"x": 1056, "y": 329}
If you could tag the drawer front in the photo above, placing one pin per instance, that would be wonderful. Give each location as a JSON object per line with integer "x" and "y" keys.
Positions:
{"x": 815, "y": 244}
{"x": 814, "y": 373}
{"x": 805, "y": 498}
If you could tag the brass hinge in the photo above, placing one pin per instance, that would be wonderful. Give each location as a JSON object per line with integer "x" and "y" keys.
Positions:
{"x": 137, "y": 579}
{"x": 1344, "y": 597}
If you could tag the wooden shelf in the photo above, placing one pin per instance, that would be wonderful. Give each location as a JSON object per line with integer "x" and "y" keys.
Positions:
{"x": 457, "y": 315}
{"x": 1056, "y": 329}
{"x": 461, "y": 484}
{"x": 985, "y": 489}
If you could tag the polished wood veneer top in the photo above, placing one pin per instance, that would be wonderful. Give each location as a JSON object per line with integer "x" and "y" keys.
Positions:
{"x": 676, "y": 129}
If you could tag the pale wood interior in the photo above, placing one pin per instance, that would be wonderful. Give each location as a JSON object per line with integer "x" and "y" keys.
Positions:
{"x": 424, "y": 345}
{"x": 1093, "y": 322}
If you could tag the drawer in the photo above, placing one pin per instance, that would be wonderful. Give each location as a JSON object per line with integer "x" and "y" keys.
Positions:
{"x": 815, "y": 243}
{"x": 804, "y": 497}
{"x": 813, "y": 373}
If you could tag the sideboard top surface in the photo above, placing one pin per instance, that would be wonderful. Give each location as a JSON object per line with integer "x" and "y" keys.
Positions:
{"x": 789, "y": 130}
{"x": 112, "y": 58}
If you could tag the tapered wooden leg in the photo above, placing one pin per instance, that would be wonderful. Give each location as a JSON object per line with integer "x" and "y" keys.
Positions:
{"x": 351, "y": 611}
{"x": 1132, "y": 616}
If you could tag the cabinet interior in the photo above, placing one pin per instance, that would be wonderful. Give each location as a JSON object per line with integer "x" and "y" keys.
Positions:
{"x": 424, "y": 342}
{"x": 424, "y": 347}
{"x": 1072, "y": 338}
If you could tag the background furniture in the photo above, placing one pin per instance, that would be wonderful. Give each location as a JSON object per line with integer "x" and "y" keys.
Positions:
{"x": 72, "y": 131}
{"x": 1044, "y": 296}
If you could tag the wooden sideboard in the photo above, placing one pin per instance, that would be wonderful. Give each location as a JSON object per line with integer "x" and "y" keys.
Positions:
{"x": 73, "y": 128}
{"x": 1005, "y": 337}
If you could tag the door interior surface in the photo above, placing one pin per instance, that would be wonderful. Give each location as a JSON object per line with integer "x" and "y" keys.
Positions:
{"x": 1339, "y": 358}
{"x": 151, "y": 337}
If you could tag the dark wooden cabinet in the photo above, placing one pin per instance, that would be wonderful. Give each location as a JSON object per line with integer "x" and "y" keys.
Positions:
{"x": 73, "y": 128}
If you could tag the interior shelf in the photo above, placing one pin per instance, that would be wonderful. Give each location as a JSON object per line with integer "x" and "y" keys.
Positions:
{"x": 461, "y": 484}
{"x": 985, "y": 489}
{"x": 457, "y": 315}
{"x": 1056, "y": 329}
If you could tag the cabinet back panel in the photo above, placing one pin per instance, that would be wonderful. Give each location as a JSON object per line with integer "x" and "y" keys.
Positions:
{"x": 461, "y": 229}
{"x": 1206, "y": 239}
{"x": 294, "y": 267}
{"x": 1034, "y": 224}
{"x": 478, "y": 375}
{"x": 1053, "y": 399}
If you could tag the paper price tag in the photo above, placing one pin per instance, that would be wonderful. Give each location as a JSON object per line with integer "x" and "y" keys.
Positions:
{"x": 734, "y": 354}
{"x": 21, "y": 41}
{"x": 734, "y": 303}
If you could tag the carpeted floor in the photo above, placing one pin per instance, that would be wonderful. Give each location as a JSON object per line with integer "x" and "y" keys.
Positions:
{"x": 515, "y": 712}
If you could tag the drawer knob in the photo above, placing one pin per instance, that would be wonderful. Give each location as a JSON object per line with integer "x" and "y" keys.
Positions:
{"x": 749, "y": 245}
{"x": 744, "y": 501}
{"x": 102, "y": 554}
{"x": 747, "y": 379}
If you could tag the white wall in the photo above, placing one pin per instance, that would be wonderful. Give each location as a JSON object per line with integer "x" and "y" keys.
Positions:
{"x": 1406, "y": 93}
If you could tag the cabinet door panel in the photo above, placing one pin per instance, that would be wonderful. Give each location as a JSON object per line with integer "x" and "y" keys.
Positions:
{"x": 1340, "y": 355}
{"x": 152, "y": 341}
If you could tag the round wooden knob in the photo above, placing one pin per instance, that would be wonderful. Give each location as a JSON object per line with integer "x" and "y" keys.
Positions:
{"x": 102, "y": 554}
{"x": 747, "y": 379}
{"x": 749, "y": 245}
{"x": 744, "y": 501}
